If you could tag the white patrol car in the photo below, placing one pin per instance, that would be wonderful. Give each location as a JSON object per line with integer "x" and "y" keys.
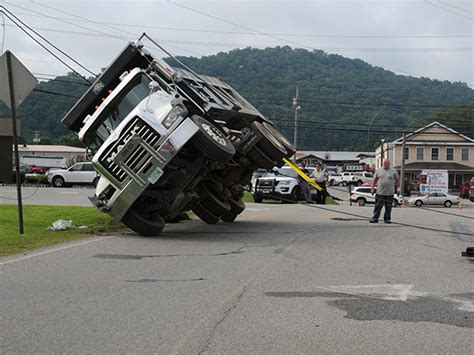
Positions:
{"x": 280, "y": 184}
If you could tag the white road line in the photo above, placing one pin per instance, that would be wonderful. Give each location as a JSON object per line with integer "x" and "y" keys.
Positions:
{"x": 55, "y": 250}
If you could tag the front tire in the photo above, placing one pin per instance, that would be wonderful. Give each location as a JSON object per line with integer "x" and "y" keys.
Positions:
{"x": 448, "y": 204}
{"x": 361, "y": 201}
{"x": 58, "y": 181}
{"x": 418, "y": 203}
{"x": 257, "y": 198}
{"x": 212, "y": 142}
{"x": 144, "y": 223}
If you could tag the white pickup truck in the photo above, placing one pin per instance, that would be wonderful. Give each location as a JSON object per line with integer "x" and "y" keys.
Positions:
{"x": 356, "y": 177}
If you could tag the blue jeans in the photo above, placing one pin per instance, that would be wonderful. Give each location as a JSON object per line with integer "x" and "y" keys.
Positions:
{"x": 381, "y": 201}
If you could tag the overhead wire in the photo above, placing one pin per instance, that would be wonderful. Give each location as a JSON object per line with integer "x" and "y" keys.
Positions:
{"x": 204, "y": 30}
{"x": 41, "y": 45}
{"x": 47, "y": 41}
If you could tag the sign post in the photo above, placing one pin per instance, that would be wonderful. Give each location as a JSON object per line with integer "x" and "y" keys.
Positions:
{"x": 20, "y": 83}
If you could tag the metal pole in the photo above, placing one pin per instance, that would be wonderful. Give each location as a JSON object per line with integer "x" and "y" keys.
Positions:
{"x": 402, "y": 170}
{"x": 295, "y": 137}
{"x": 15, "y": 141}
{"x": 382, "y": 153}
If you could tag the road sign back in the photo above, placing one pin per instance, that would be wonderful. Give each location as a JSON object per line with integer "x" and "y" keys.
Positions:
{"x": 23, "y": 80}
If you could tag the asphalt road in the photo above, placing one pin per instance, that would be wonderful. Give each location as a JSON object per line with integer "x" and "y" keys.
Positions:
{"x": 283, "y": 279}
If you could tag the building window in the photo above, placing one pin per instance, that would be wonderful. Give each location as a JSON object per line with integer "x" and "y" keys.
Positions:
{"x": 464, "y": 153}
{"x": 434, "y": 153}
{"x": 420, "y": 153}
{"x": 406, "y": 153}
{"x": 449, "y": 153}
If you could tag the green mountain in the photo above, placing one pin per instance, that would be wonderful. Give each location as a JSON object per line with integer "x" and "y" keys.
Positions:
{"x": 338, "y": 98}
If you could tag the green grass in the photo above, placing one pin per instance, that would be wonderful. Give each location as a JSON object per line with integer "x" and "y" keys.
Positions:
{"x": 38, "y": 218}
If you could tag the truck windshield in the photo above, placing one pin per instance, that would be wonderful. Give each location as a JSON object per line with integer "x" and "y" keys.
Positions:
{"x": 119, "y": 108}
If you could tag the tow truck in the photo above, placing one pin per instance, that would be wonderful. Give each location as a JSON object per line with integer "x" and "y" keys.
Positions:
{"x": 166, "y": 140}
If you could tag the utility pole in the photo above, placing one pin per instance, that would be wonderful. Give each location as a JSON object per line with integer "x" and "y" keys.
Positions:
{"x": 382, "y": 153}
{"x": 402, "y": 171}
{"x": 296, "y": 108}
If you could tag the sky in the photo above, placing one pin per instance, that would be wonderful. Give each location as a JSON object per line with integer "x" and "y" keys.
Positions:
{"x": 429, "y": 38}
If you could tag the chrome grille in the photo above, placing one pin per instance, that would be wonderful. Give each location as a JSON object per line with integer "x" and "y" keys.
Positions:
{"x": 139, "y": 157}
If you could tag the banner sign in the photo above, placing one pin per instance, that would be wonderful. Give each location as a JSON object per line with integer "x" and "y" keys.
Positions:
{"x": 436, "y": 181}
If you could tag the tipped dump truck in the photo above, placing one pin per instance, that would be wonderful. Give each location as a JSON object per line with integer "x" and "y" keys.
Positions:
{"x": 166, "y": 140}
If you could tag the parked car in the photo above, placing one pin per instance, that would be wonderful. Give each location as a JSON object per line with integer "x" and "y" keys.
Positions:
{"x": 362, "y": 195}
{"x": 280, "y": 184}
{"x": 335, "y": 179}
{"x": 434, "y": 198}
{"x": 464, "y": 190}
{"x": 34, "y": 169}
{"x": 24, "y": 169}
{"x": 79, "y": 173}
{"x": 471, "y": 193}
{"x": 356, "y": 178}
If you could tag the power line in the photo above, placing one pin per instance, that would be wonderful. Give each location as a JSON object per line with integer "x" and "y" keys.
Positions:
{"x": 448, "y": 10}
{"x": 56, "y": 93}
{"x": 251, "y": 33}
{"x": 41, "y": 45}
{"x": 48, "y": 42}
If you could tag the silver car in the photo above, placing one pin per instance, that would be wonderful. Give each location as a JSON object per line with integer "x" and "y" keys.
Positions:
{"x": 434, "y": 198}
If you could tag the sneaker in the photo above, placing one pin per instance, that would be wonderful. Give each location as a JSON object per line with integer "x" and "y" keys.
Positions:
{"x": 373, "y": 220}
{"x": 387, "y": 221}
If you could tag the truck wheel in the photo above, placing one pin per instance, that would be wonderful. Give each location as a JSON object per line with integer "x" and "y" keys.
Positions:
{"x": 229, "y": 217}
{"x": 290, "y": 150}
{"x": 268, "y": 143}
{"x": 257, "y": 198}
{"x": 145, "y": 224}
{"x": 212, "y": 142}
{"x": 215, "y": 205}
{"x": 58, "y": 181}
{"x": 205, "y": 215}
{"x": 261, "y": 159}
{"x": 236, "y": 206}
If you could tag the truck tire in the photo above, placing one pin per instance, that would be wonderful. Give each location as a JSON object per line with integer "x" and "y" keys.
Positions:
{"x": 290, "y": 149}
{"x": 261, "y": 159}
{"x": 228, "y": 217}
{"x": 212, "y": 142}
{"x": 236, "y": 206}
{"x": 268, "y": 143}
{"x": 143, "y": 224}
{"x": 205, "y": 215}
{"x": 257, "y": 198}
{"x": 215, "y": 205}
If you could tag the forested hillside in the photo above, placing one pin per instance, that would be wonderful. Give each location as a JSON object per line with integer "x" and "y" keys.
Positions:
{"x": 339, "y": 97}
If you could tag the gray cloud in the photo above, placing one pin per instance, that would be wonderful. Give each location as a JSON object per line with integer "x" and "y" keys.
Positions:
{"x": 328, "y": 25}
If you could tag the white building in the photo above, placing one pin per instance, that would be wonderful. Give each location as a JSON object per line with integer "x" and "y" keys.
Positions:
{"x": 50, "y": 156}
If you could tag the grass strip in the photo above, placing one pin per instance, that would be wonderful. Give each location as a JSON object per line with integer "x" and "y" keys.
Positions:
{"x": 38, "y": 218}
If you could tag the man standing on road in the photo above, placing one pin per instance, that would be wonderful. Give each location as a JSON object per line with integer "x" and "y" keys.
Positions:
{"x": 386, "y": 179}
{"x": 321, "y": 177}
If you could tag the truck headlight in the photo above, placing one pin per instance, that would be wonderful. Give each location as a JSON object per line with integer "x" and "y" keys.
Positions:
{"x": 177, "y": 112}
